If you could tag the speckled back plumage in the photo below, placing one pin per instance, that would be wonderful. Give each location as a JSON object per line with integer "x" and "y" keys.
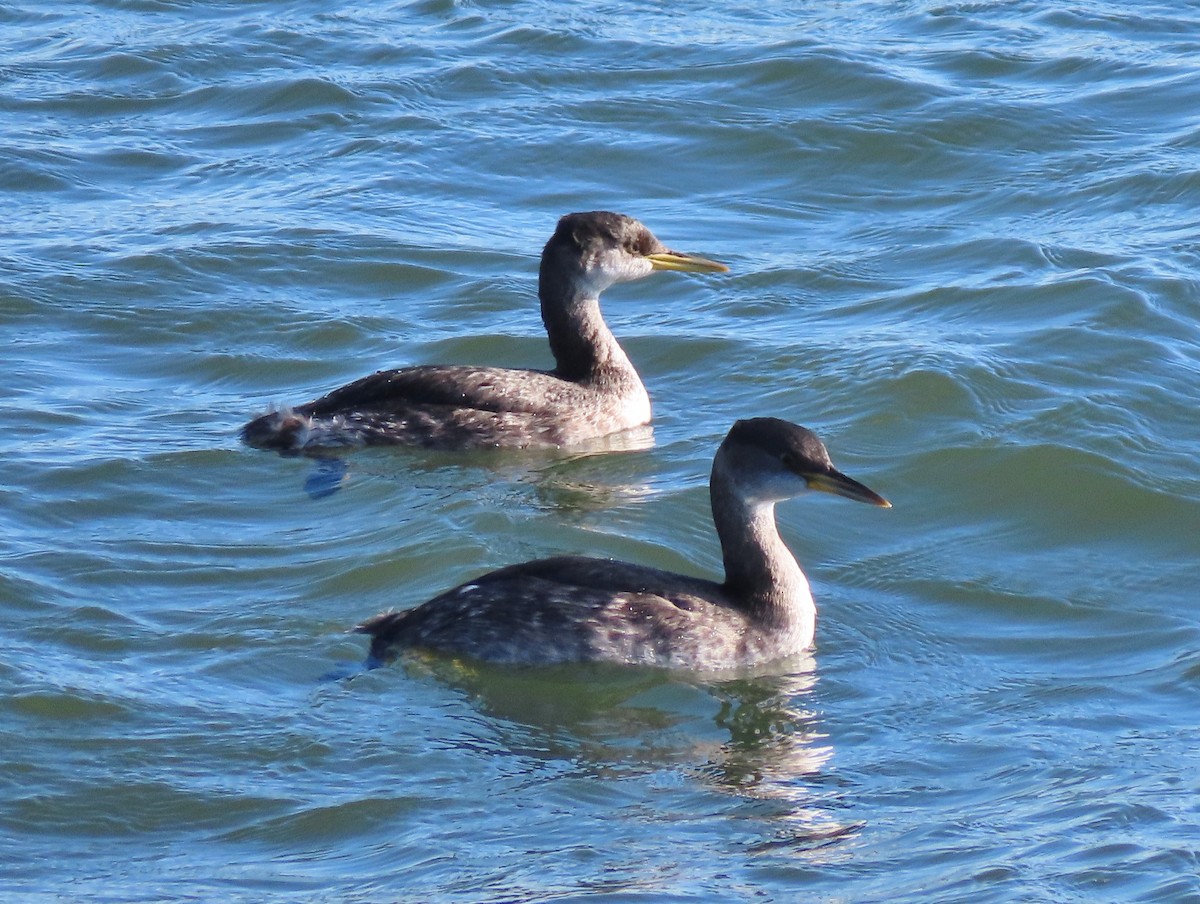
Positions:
{"x": 452, "y": 407}
{"x": 574, "y": 609}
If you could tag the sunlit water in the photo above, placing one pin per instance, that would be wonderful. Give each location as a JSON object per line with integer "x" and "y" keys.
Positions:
{"x": 964, "y": 242}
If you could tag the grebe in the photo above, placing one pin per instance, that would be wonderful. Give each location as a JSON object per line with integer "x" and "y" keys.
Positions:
{"x": 579, "y": 609}
{"x": 592, "y": 391}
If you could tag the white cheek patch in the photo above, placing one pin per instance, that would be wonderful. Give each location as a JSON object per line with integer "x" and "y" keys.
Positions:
{"x": 775, "y": 488}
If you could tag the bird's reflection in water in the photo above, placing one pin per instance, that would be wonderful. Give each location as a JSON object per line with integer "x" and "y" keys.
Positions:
{"x": 752, "y": 737}
{"x": 776, "y": 760}
{"x": 562, "y": 478}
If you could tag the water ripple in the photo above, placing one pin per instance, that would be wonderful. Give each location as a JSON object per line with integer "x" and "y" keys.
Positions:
{"x": 963, "y": 247}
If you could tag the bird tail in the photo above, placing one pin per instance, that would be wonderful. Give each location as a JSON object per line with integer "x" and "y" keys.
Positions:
{"x": 382, "y": 630}
{"x": 280, "y": 431}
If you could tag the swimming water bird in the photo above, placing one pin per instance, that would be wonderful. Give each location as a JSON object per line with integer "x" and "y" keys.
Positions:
{"x": 592, "y": 391}
{"x": 579, "y": 609}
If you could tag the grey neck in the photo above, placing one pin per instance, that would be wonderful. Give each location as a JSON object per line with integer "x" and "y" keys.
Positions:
{"x": 584, "y": 348}
{"x": 760, "y": 571}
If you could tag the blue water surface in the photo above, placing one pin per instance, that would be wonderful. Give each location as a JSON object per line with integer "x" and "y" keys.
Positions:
{"x": 964, "y": 247}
